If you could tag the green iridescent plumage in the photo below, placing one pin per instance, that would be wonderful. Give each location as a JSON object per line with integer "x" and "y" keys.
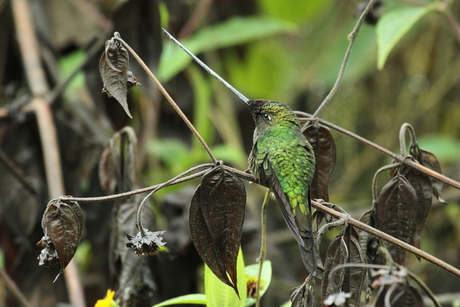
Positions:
{"x": 283, "y": 160}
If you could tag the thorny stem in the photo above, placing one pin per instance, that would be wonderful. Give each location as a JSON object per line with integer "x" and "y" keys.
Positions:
{"x": 402, "y": 138}
{"x": 352, "y": 37}
{"x": 396, "y": 157}
{"x": 170, "y": 100}
{"x": 139, "y": 210}
{"x": 263, "y": 244}
{"x": 387, "y": 237}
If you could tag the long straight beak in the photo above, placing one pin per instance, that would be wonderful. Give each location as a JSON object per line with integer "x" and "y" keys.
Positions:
{"x": 209, "y": 70}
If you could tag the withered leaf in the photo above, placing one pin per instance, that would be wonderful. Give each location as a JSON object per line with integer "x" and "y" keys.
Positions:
{"x": 396, "y": 214}
{"x": 131, "y": 80}
{"x": 48, "y": 257}
{"x": 116, "y": 166}
{"x": 303, "y": 295}
{"x": 324, "y": 147}
{"x": 216, "y": 221}
{"x": 345, "y": 248}
{"x": 146, "y": 244}
{"x": 400, "y": 295}
{"x": 113, "y": 67}
{"x": 429, "y": 160}
{"x": 423, "y": 189}
{"x": 62, "y": 223}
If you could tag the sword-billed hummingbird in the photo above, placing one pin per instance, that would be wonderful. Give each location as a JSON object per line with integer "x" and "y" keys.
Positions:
{"x": 283, "y": 160}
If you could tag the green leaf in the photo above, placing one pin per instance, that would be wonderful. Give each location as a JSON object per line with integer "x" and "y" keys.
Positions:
{"x": 233, "y": 32}
{"x": 196, "y": 298}
{"x": 219, "y": 294}
{"x": 251, "y": 274}
{"x": 393, "y": 25}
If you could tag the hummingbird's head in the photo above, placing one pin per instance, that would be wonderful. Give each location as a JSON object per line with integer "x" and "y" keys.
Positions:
{"x": 267, "y": 113}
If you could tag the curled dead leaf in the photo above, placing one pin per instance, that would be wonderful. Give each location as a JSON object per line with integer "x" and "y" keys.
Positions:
{"x": 113, "y": 67}
{"x": 216, "y": 222}
{"x": 62, "y": 225}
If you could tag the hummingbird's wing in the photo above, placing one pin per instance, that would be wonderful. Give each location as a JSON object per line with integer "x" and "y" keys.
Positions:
{"x": 267, "y": 177}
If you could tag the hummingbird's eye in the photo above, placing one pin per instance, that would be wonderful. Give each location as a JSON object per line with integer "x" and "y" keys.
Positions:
{"x": 266, "y": 116}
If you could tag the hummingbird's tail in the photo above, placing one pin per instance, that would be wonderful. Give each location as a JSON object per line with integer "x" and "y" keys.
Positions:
{"x": 308, "y": 250}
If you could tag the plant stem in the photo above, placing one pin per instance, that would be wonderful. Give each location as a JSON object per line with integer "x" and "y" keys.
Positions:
{"x": 13, "y": 287}
{"x": 388, "y": 238}
{"x": 396, "y": 157}
{"x": 139, "y": 191}
{"x": 170, "y": 100}
{"x": 402, "y": 138}
{"x": 139, "y": 210}
{"x": 263, "y": 244}
{"x": 352, "y": 37}
{"x": 374, "y": 180}
{"x": 38, "y": 84}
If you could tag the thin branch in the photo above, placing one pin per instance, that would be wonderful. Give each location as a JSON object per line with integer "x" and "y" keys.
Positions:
{"x": 170, "y": 100}
{"x": 263, "y": 244}
{"x": 396, "y": 157}
{"x": 201, "y": 10}
{"x": 17, "y": 172}
{"x": 425, "y": 288}
{"x": 402, "y": 138}
{"x": 138, "y": 191}
{"x": 352, "y": 37}
{"x": 388, "y": 238}
{"x": 36, "y": 79}
{"x": 167, "y": 183}
{"x": 453, "y": 23}
{"x": 11, "y": 285}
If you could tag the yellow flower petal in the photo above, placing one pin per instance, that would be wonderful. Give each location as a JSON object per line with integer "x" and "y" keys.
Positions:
{"x": 106, "y": 302}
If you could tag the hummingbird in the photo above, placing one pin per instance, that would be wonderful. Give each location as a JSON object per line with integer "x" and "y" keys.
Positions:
{"x": 281, "y": 159}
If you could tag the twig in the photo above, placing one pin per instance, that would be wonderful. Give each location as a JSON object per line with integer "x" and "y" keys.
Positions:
{"x": 263, "y": 244}
{"x": 11, "y": 285}
{"x": 396, "y": 157}
{"x": 17, "y": 172}
{"x": 453, "y": 23}
{"x": 374, "y": 180}
{"x": 36, "y": 78}
{"x": 90, "y": 11}
{"x": 170, "y": 100}
{"x": 61, "y": 86}
{"x": 134, "y": 192}
{"x": 139, "y": 210}
{"x": 197, "y": 16}
{"x": 425, "y": 288}
{"x": 388, "y": 238}
{"x": 402, "y": 138}
{"x": 352, "y": 37}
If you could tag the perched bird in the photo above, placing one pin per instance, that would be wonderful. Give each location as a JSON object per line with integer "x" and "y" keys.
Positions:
{"x": 283, "y": 160}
